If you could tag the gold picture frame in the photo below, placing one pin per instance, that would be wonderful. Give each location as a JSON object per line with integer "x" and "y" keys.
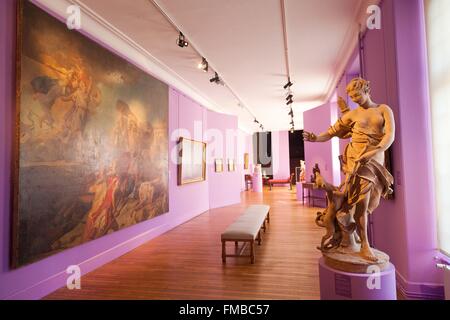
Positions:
{"x": 191, "y": 161}
{"x": 231, "y": 165}
{"x": 218, "y": 165}
{"x": 101, "y": 129}
{"x": 246, "y": 161}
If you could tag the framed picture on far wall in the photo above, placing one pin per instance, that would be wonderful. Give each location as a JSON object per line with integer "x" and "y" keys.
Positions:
{"x": 231, "y": 165}
{"x": 191, "y": 161}
{"x": 218, "y": 165}
{"x": 246, "y": 161}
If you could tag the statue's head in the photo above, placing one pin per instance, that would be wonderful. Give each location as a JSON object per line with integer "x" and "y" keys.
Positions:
{"x": 359, "y": 90}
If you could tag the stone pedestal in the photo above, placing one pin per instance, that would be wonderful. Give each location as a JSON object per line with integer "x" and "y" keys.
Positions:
{"x": 299, "y": 189}
{"x": 340, "y": 285}
{"x": 257, "y": 183}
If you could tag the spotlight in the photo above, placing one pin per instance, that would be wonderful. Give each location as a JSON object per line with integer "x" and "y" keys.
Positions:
{"x": 256, "y": 121}
{"x": 216, "y": 78}
{"x": 292, "y": 130}
{"x": 288, "y": 85}
{"x": 291, "y": 113}
{"x": 289, "y": 97}
{"x": 181, "y": 41}
{"x": 289, "y": 102}
{"x": 292, "y": 123}
{"x": 203, "y": 65}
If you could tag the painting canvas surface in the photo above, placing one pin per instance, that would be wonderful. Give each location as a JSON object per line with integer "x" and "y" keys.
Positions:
{"x": 218, "y": 165}
{"x": 92, "y": 142}
{"x": 192, "y": 165}
{"x": 231, "y": 165}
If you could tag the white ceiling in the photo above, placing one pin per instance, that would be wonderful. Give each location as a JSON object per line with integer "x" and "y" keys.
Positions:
{"x": 243, "y": 41}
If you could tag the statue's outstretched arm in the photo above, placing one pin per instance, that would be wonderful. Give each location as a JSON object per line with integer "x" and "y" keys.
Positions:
{"x": 311, "y": 137}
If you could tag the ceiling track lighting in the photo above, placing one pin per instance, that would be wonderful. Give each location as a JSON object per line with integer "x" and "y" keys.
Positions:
{"x": 181, "y": 41}
{"x": 289, "y": 102}
{"x": 216, "y": 78}
{"x": 291, "y": 113}
{"x": 203, "y": 65}
{"x": 288, "y": 85}
{"x": 289, "y": 97}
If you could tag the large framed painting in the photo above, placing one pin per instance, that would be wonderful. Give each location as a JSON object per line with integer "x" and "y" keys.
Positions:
{"x": 92, "y": 140}
{"x": 191, "y": 161}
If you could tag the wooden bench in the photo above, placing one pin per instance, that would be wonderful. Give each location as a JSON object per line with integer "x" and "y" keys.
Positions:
{"x": 247, "y": 229}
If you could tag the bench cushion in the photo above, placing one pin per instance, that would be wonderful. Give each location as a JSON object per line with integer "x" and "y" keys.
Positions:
{"x": 247, "y": 226}
{"x": 278, "y": 181}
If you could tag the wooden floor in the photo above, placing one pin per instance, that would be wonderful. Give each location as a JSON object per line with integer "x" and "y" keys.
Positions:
{"x": 185, "y": 263}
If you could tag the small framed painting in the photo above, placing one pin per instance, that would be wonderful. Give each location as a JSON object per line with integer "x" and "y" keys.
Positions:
{"x": 231, "y": 165}
{"x": 218, "y": 165}
{"x": 191, "y": 162}
{"x": 246, "y": 157}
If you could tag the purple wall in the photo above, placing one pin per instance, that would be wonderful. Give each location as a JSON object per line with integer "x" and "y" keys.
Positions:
{"x": 39, "y": 279}
{"x": 318, "y": 120}
{"x": 245, "y": 145}
{"x": 224, "y": 187}
{"x": 280, "y": 154}
{"x": 395, "y": 62}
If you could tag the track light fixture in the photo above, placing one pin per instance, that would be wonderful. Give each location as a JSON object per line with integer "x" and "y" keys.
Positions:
{"x": 288, "y": 85}
{"x": 292, "y": 130}
{"x": 181, "y": 41}
{"x": 216, "y": 78}
{"x": 292, "y": 122}
{"x": 203, "y": 65}
{"x": 256, "y": 121}
{"x": 291, "y": 113}
{"x": 289, "y": 102}
{"x": 289, "y": 97}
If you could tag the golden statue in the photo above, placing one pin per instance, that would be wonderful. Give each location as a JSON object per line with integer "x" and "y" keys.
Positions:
{"x": 371, "y": 127}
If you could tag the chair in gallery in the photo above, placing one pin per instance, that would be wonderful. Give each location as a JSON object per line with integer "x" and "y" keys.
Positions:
{"x": 248, "y": 181}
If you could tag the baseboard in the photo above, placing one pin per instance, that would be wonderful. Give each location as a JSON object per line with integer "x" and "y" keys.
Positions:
{"x": 418, "y": 290}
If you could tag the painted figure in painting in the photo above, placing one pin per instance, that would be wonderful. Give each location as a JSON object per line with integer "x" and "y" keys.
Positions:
{"x": 371, "y": 128}
{"x": 93, "y": 141}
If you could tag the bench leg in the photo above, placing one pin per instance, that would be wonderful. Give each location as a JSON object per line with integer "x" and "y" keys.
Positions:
{"x": 252, "y": 251}
{"x": 224, "y": 254}
{"x": 264, "y": 226}
{"x": 259, "y": 237}
{"x": 268, "y": 217}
